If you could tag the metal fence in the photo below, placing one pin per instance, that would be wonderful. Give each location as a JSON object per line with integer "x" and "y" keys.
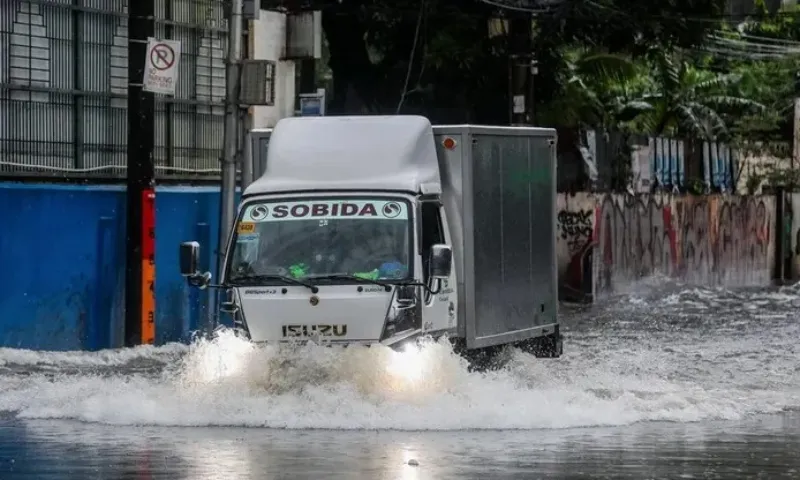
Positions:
{"x": 643, "y": 163}
{"x": 668, "y": 158}
{"x": 63, "y": 88}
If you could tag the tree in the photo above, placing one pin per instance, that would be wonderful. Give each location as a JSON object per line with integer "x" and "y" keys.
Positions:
{"x": 456, "y": 62}
{"x": 598, "y": 90}
{"x": 443, "y": 49}
{"x": 769, "y": 81}
{"x": 692, "y": 102}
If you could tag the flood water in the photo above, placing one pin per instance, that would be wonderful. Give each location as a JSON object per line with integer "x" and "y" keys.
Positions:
{"x": 661, "y": 382}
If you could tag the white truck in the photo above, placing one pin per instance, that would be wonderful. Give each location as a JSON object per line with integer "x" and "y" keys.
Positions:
{"x": 386, "y": 229}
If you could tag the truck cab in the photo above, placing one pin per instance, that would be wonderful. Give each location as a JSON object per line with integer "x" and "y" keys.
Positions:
{"x": 350, "y": 235}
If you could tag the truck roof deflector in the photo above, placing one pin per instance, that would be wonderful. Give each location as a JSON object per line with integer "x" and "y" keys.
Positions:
{"x": 430, "y": 188}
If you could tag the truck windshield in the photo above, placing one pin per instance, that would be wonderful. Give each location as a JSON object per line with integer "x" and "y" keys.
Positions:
{"x": 370, "y": 239}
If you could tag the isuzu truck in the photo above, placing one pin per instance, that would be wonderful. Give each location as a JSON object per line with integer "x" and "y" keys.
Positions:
{"x": 386, "y": 229}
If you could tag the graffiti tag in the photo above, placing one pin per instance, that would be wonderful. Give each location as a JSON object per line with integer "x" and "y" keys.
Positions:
{"x": 575, "y": 227}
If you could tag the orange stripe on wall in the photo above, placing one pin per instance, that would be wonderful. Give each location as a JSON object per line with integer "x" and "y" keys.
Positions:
{"x": 148, "y": 320}
{"x": 148, "y": 303}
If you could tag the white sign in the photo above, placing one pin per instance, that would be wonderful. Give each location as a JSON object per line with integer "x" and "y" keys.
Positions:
{"x": 161, "y": 66}
{"x": 327, "y": 210}
{"x": 519, "y": 103}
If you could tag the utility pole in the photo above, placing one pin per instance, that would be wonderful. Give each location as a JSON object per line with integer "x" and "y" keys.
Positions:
{"x": 789, "y": 268}
{"x": 796, "y": 123}
{"x": 245, "y": 118}
{"x": 231, "y": 136}
{"x": 140, "y": 232}
{"x": 521, "y": 69}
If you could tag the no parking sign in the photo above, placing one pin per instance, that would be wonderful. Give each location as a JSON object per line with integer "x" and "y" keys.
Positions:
{"x": 161, "y": 66}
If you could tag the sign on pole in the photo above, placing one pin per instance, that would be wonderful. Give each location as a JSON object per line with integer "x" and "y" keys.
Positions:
{"x": 312, "y": 104}
{"x": 161, "y": 66}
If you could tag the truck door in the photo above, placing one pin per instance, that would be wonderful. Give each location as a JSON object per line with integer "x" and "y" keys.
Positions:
{"x": 438, "y": 310}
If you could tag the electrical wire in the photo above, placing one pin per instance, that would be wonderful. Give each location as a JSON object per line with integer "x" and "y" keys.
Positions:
{"x": 743, "y": 40}
{"x": 658, "y": 16}
{"x": 417, "y": 29}
{"x": 780, "y": 41}
{"x": 516, "y": 8}
{"x": 104, "y": 168}
{"x": 737, "y": 47}
{"x": 546, "y": 7}
{"x": 747, "y": 48}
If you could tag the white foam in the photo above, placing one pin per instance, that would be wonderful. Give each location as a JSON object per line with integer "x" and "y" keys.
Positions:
{"x": 103, "y": 358}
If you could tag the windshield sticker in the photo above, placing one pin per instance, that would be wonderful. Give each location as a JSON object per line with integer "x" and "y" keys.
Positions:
{"x": 330, "y": 210}
{"x": 247, "y": 227}
{"x": 247, "y": 237}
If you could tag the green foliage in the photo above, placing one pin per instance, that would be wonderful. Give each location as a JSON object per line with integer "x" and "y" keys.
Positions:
{"x": 619, "y": 65}
{"x": 693, "y": 102}
{"x": 457, "y": 68}
{"x": 788, "y": 178}
{"x": 771, "y": 84}
{"x": 659, "y": 94}
{"x": 598, "y": 89}
{"x": 769, "y": 81}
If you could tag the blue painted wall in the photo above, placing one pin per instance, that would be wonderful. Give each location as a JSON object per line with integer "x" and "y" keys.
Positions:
{"x": 62, "y": 264}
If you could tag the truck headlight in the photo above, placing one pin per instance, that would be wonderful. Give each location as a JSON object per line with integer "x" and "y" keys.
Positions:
{"x": 230, "y": 306}
{"x": 405, "y": 312}
{"x": 406, "y": 364}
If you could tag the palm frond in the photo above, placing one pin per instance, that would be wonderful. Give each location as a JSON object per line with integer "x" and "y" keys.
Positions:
{"x": 727, "y": 101}
{"x": 718, "y": 82}
{"x": 605, "y": 65}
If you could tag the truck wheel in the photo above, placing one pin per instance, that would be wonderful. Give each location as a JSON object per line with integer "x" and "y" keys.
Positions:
{"x": 482, "y": 359}
{"x": 548, "y": 346}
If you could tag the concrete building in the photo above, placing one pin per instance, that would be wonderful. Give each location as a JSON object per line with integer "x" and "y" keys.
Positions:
{"x": 64, "y": 79}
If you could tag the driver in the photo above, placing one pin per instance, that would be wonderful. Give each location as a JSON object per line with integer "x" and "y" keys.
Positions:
{"x": 316, "y": 254}
{"x": 378, "y": 256}
{"x": 286, "y": 252}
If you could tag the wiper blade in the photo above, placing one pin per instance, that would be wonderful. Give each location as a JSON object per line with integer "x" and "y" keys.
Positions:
{"x": 386, "y": 285}
{"x": 280, "y": 278}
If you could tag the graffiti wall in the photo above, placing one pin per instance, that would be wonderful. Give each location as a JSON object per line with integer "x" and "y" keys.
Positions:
{"x": 709, "y": 240}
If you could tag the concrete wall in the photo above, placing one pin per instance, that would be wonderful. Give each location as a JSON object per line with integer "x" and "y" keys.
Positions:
{"x": 62, "y": 259}
{"x": 709, "y": 240}
{"x": 269, "y": 43}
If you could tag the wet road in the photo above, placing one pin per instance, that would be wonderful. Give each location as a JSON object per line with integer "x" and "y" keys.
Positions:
{"x": 664, "y": 382}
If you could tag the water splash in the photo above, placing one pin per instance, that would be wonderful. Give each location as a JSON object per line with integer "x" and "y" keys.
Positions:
{"x": 690, "y": 355}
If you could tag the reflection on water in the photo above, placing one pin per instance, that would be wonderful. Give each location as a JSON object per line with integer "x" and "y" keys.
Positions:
{"x": 762, "y": 447}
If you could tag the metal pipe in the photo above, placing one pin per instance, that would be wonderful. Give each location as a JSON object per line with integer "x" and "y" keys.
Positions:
{"x": 231, "y": 141}
{"x": 140, "y": 228}
{"x": 248, "y": 166}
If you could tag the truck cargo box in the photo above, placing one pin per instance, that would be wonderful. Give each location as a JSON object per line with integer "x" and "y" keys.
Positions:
{"x": 499, "y": 193}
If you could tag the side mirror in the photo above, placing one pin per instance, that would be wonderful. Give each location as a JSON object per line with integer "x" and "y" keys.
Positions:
{"x": 189, "y": 258}
{"x": 406, "y": 297}
{"x": 441, "y": 261}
